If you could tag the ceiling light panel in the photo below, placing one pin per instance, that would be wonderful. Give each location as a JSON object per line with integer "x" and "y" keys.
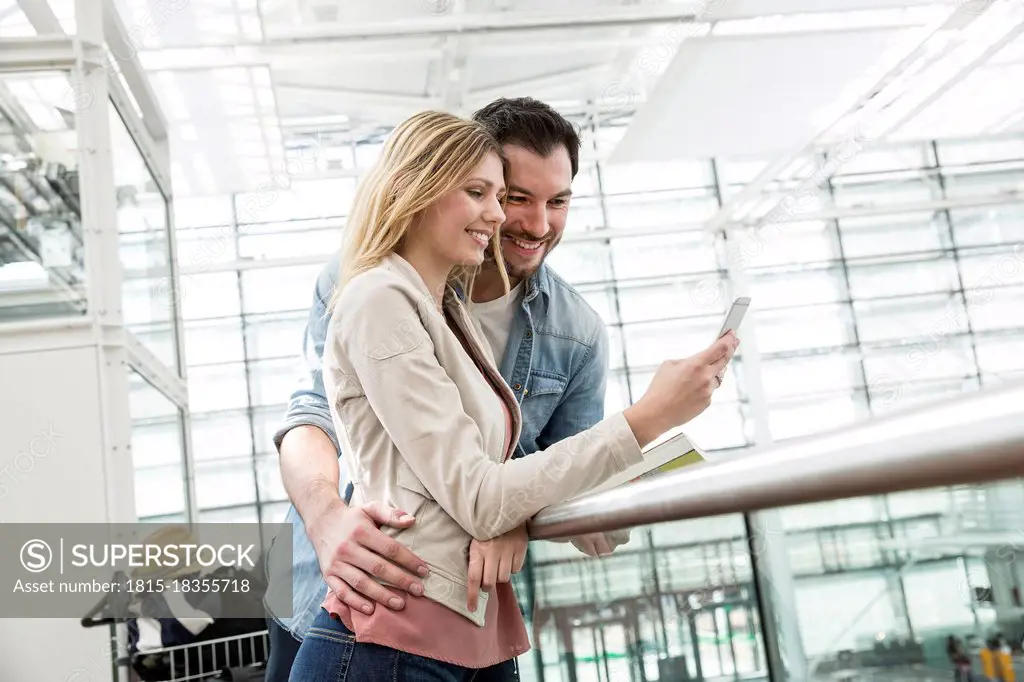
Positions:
{"x": 770, "y": 105}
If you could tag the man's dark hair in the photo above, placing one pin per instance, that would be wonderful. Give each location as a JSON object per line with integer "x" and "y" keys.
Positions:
{"x": 531, "y": 124}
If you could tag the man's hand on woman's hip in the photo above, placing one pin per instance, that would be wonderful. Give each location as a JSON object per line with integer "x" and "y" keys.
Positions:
{"x": 355, "y": 555}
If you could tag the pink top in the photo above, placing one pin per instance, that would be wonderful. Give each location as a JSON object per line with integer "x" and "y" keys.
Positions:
{"x": 429, "y": 629}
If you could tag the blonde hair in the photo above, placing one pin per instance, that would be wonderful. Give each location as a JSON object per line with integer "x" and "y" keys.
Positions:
{"x": 426, "y": 156}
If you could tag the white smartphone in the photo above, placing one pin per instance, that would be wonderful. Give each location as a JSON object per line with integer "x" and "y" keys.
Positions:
{"x": 734, "y": 318}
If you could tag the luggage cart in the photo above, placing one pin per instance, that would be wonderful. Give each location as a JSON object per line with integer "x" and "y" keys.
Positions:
{"x": 236, "y": 657}
{"x": 239, "y": 657}
{"x": 221, "y": 659}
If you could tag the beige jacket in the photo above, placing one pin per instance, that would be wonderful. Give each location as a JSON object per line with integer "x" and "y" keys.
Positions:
{"x": 421, "y": 429}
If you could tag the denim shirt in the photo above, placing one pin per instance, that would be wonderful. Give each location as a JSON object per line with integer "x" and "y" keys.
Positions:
{"x": 556, "y": 363}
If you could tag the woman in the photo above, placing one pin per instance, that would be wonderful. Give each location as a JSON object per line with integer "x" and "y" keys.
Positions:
{"x": 426, "y": 422}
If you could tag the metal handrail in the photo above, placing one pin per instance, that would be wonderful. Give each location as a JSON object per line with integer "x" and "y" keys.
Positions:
{"x": 975, "y": 438}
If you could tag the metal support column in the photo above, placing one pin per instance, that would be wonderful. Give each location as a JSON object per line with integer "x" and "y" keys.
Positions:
{"x": 773, "y": 577}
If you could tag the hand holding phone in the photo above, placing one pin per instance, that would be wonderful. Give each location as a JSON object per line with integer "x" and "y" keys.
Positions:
{"x": 734, "y": 318}
{"x": 731, "y": 323}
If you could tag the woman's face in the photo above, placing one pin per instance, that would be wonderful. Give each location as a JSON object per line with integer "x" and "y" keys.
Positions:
{"x": 458, "y": 227}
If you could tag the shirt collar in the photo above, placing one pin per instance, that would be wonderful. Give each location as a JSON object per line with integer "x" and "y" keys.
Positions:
{"x": 539, "y": 283}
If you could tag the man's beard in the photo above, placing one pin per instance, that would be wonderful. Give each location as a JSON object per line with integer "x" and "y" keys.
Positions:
{"x": 519, "y": 272}
{"x": 514, "y": 271}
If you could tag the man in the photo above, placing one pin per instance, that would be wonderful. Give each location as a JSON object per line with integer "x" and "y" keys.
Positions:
{"x": 553, "y": 352}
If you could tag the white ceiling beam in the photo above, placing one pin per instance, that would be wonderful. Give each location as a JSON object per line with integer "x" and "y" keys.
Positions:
{"x": 45, "y": 22}
{"x": 489, "y": 23}
{"x": 45, "y": 53}
{"x": 288, "y": 56}
{"x": 23, "y": 123}
{"x": 622, "y": 86}
{"x": 453, "y": 73}
{"x": 273, "y": 143}
{"x": 156, "y": 155}
{"x": 485, "y": 23}
{"x": 314, "y": 122}
{"x": 33, "y": 297}
{"x": 298, "y": 56}
{"x": 49, "y": 45}
{"x": 153, "y": 370}
{"x": 452, "y": 70}
{"x": 41, "y": 16}
{"x": 124, "y": 53}
{"x": 360, "y": 97}
{"x": 490, "y": 48}
{"x": 345, "y": 123}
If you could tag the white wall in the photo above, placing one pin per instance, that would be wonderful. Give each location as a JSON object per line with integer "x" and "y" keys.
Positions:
{"x": 53, "y": 469}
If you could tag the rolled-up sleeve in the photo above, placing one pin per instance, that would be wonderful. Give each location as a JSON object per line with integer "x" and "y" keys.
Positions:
{"x": 308, "y": 402}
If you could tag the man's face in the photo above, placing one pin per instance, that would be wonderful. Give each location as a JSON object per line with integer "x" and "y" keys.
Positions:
{"x": 539, "y": 188}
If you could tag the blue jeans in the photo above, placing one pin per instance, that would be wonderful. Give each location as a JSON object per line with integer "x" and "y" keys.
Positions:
{"x": 284, "y": 646}
{"x": 330, "y": 653}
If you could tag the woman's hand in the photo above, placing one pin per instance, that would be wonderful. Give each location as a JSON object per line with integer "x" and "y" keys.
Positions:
{"x": 494, "y": 561}
{"x": 601, "y": 544}
{"x": 680, "y": 390}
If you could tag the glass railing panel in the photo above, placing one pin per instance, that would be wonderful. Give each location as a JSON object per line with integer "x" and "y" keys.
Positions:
{"x": 677, "y": 602}
{"x": 869, "y": 588}
{"x": 881, "y": 583}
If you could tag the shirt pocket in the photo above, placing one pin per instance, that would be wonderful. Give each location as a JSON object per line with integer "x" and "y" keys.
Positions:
{"x": 545, "y": 384}
{"x": 543, "y": 394}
